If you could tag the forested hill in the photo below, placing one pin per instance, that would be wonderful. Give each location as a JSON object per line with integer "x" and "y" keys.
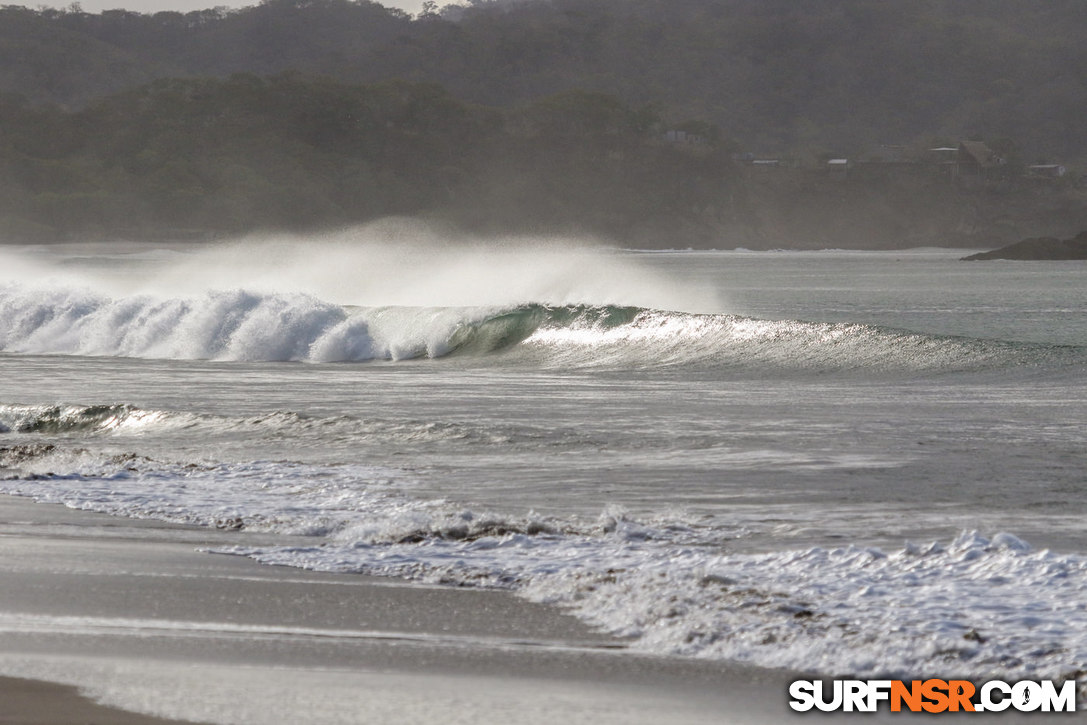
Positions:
{"x": 633, "y": 120}
{"x": 835, "y": 76}
{"x": 203, "y": 157}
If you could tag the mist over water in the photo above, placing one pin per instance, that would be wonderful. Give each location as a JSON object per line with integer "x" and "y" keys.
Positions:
{"x": 388, "y": 263}
{"x": 389, "y": 291}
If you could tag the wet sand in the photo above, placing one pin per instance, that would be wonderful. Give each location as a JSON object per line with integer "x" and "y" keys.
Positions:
{"x": 132, "y": 615}
{"x": 32, "y": 702}
{"x": 137, "y": 617}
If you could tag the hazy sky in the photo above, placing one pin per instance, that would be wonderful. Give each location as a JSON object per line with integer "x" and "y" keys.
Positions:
{"x": 153, "y": 6}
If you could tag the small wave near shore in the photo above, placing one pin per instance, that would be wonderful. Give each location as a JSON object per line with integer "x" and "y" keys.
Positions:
{"x": 979, "y": 606}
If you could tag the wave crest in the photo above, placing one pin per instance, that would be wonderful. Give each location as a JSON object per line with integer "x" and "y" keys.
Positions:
{"x": 52, "y": 419}
{"x": 246, "y": 326}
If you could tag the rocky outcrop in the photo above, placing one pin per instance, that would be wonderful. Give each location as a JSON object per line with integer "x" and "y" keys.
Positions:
{"x": 1039, "y": 248}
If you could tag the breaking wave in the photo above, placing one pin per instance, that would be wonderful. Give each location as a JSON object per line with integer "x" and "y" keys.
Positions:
{"x": 84, "y": 418}
{"x": 247, "y": 326}
{"x": 122, "y": 419}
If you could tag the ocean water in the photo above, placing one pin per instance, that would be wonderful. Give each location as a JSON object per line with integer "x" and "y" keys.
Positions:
{"x": 863, "y": 463}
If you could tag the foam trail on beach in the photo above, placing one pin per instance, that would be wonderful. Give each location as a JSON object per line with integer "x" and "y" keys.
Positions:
{"x": 971, "y": 607}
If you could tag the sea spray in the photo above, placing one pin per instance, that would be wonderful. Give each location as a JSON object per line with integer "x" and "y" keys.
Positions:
{"x": 398, "y": 263}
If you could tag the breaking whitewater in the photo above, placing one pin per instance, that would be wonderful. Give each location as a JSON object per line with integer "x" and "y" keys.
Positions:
{"x": 847, "y": 463}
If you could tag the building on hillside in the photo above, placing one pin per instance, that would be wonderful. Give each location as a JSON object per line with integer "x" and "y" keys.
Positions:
{"x": 944, "y": 158}
{"x": 975, "y": 159}
{"x": 1047, "y": 171}
{"x": 683, "y": 137}
{"x": 838, "y": 166}
{"x": 749, "y": 158}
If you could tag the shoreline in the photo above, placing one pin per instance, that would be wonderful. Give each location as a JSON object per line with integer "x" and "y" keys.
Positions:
{"x": 131, "y": 614}
{"x": 125, "y": 621}
{"x": 36, "y": 702}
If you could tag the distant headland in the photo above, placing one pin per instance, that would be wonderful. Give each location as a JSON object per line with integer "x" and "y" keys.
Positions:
{"x": 1038, "y": 248}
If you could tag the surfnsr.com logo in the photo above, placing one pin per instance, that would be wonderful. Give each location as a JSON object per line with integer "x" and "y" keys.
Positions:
{"x": 932, "y": 696}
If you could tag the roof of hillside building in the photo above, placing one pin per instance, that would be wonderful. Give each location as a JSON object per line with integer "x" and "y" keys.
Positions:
{"x": 984, "y": 156}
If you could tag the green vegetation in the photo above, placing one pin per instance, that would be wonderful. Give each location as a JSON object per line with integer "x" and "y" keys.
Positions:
{"x": 776, "y": 75}
{"x": 541, "y": 115}
{"x": 180, "y": 157}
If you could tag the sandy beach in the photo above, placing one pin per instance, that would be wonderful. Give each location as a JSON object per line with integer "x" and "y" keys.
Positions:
{"x": 33, "y": 702}
{"x": 108, "y": 620}
{"x": 135, "y": 617}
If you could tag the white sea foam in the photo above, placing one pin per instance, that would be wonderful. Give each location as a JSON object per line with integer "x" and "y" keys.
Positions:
{"x": 979, "y": 606}
{"x": 260, "y": 496}
{"x": 249, "y": 326}
{"x": 221, "y": 326}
